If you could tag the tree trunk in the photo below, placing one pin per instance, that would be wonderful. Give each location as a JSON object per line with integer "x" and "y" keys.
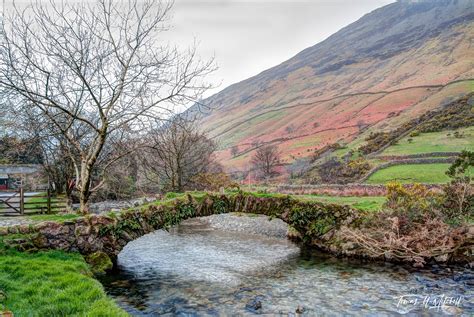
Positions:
{"x": 84, "y": 193}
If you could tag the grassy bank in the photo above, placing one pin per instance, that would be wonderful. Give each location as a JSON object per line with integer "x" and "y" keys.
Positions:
{"x": 53, "y": 217}
{"x": 52, "y": 283}
{"x": 367, "y": 203}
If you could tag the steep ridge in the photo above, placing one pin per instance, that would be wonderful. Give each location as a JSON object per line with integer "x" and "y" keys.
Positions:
{"x": 393, "y": 64}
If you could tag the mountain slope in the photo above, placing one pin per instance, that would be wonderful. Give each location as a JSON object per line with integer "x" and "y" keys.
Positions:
{"x": 390, "y": 66}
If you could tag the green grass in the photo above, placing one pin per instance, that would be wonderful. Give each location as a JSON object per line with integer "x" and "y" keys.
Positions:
{"x": 40, "y": 203}
{"x": 443, "y": 141}
{"x": 412, "y": 173}
{"x": 367, "y": 203}
{"x": 52, "y": 283}
{"x": 57, "y": 217}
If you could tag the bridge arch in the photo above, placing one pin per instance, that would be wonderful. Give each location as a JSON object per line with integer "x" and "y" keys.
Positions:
{"x": 316, "y": 222}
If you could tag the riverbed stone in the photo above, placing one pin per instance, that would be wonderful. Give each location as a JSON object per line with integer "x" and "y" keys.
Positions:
{"x": 255, "y": 304}
{"x": 83, "y": 230}
{"x": 13, "y": 230}
{"x": 24, "y": 229}
{"x": 442, "y": 258}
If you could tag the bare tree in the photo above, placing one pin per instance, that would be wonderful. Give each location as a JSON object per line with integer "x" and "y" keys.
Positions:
{"x": 234, "y": 150}
{"x": 266, "y": 159}
{"x": 96, "y": 73}
{"x": 178, "y": 151}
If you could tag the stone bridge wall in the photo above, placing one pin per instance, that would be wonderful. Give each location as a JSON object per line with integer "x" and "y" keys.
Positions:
{"x": 103, "y": 237}
{"x": 109, "y": 234}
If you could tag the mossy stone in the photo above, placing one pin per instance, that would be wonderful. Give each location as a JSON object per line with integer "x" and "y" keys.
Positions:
{"x": 99, "y": 262}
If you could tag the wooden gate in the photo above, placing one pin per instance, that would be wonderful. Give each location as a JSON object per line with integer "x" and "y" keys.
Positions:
{"x": 20, "y": 203}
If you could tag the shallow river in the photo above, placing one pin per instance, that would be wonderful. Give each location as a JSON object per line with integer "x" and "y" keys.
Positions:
{"x": 195, "y": 270}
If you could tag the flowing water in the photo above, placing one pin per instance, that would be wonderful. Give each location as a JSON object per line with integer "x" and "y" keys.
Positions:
{"x": 195, "y": 270}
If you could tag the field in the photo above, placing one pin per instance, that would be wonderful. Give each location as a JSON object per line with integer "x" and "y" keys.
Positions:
{"x": 443, "y": 141}
{"x": 411, "y": 173}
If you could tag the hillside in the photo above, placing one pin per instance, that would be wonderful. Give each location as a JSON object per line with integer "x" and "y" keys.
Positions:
{"x": 392, "y": 65}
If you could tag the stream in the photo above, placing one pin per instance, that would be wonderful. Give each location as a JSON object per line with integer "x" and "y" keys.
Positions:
{"x": 197, "y": 270}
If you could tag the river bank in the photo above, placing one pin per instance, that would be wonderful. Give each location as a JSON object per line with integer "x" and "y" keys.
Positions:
{"x": 206, "y": 267}
{"x": 51, "y": 283}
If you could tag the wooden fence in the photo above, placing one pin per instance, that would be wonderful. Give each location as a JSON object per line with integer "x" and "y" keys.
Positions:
{"x": 22, "y": 203}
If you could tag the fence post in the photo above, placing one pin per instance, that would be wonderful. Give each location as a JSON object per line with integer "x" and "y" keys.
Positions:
{"x": 22, "y": 201}
{"x": 49, "y": 201}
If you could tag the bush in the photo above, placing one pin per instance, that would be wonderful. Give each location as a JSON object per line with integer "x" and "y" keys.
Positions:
{"x": 413, "y": 228}
{"x": 458, "y": 201}
{"x": 335, "y": 171}
{"x": 329, "y": 148}
{"x": 213, "y": 181}
{"x": 458, "y": 194}
{"x": 412, "y": 204}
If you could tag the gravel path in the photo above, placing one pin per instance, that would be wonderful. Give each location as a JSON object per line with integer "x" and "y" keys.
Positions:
{"x": 253, "y": 224}
{"x": 15, "y": 221}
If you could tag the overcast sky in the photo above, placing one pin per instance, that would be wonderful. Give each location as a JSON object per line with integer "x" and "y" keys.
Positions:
{"x": 249, "y": 36}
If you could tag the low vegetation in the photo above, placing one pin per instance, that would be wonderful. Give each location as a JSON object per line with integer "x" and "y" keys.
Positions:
{"x": 341, "y": 172}
{"x": 417, "y": 225}
{"x": 51, "y": 283}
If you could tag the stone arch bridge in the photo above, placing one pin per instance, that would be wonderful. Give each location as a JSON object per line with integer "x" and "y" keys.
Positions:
{"x": 316, "y": 223}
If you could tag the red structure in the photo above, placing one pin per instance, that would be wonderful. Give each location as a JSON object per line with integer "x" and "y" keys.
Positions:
{"x": 3, "y": 182}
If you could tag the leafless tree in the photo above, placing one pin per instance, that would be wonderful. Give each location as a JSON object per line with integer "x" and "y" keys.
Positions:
{"x": 361, "y": 125}
{"x": 266, "y": 159}
{"x": 234, "y": 150}
{"x": 96, "y": 73}
{"x": 290, "y": 129}
{"x": 178, "y": 151}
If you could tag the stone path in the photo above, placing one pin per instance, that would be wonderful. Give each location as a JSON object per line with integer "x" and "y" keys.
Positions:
{"x": 14, "y": 221}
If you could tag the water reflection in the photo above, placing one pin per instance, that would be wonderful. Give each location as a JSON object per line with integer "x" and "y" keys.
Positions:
{"x": 196, "y": 271}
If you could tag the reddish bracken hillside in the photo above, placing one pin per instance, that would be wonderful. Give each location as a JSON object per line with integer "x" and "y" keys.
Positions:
{"x": 392, "y": 65}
